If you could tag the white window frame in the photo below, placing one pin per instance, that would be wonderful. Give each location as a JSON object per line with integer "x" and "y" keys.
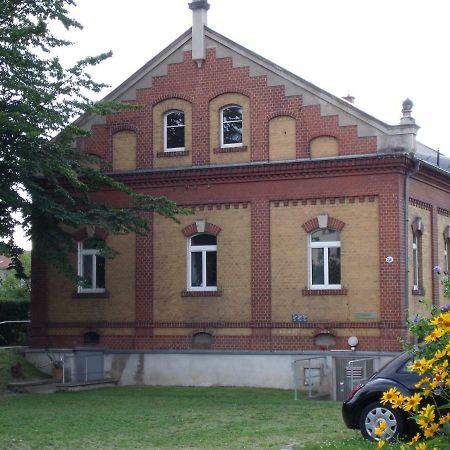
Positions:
{"x": 415, "y": 258}
{"x": 175, "y": 149}
{"x": 240, "y": 144}
{"x": 325, "y": 245}
{"x": 196, "y": 249}
{"x": 88, "y": 252}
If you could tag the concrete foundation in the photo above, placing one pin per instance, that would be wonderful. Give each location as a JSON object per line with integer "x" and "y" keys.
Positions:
{"x": 283, "y": 370}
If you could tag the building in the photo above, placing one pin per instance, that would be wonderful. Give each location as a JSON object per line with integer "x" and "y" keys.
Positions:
{"x": 312, "y": 222}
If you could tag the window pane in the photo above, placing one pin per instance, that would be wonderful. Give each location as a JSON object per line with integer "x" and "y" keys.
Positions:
{"x": 334, "y": 265}
{"x": 196, "y": 269}
{"x": 175, "y": 137}
{"x": 175, "y": 119}
{"x": 232, "y": 113}
{"x": 317, "y": 266}
{"x": 211, "y": 269}
{"x": 204, "y": 239}
{"x": 100, "y": 260}
{"x": 325, "y": 235}
{"x": 87, "y": 270}
{"x": 415, "y": 267}
{"x": 232, "y": 133}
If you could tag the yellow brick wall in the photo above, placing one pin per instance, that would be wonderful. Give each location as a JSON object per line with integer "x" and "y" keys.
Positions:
{"x": 124, "y": 150}
{"x": 214, "y": 119}
{"x": 359, "y": 257}
{"x": 120, "y": 282}
{"x": 282, "y": 138}
{"x": 416, "y": 305}
{"x": 324, "y": 146}
{"x": 233, "y": 269}
{"x": 158, "y": 133}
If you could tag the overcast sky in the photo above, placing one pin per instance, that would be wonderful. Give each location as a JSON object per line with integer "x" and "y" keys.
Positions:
{"x": 380, "y": 51}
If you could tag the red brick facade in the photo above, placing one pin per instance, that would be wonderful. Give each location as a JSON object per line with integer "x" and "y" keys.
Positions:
{"x": 256, "y": 188}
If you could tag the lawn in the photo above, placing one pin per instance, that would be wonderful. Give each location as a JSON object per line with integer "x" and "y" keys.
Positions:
{"x": 173, "y": 418}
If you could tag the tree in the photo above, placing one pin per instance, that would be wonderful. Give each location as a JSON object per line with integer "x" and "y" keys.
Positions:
{"x": 42, "y": 176}
{"x": 17, "y": 289}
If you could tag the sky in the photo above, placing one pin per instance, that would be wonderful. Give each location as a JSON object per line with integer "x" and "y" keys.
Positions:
{"x": 381, "y": 52}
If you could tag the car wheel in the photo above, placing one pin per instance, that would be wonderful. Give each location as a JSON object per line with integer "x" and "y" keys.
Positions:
{"x": 371, "y": 417}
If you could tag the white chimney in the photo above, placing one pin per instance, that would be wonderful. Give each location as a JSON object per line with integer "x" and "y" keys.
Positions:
{"x": 199, "y": 22}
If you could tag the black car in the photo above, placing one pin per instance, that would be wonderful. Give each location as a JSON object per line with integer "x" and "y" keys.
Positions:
{"x": 363, "y": 409}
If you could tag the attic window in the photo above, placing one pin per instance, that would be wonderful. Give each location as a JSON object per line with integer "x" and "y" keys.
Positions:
{"x": 174, "y": 131}
{"x": 231, "y": 126}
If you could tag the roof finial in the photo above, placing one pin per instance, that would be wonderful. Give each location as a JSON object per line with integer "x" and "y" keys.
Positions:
{"x": 199, "y": 21}
{"x": 406, "y": 111}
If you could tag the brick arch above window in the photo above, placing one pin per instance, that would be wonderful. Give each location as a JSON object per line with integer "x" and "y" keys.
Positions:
{"x": 323, "y": 221}
{"x": 201, "y": 226}
{"x": 86, "y": 232}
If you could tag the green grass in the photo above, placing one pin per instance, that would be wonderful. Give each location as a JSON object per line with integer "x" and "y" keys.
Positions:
{"x": 9, "y": 356}
{"x": 173, "y": 418}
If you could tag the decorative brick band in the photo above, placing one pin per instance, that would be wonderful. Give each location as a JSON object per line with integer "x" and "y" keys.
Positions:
{"x": 200, "y": 226}
{"x": 385, "y": 324}
{"x": 443, "y": 212}
{"x": 218, "y": 206}
{"x": 420, "y": 204}
{"x": 217, "y": 293}
{"x": 312, "y": 292}
{"x": 242, "y": 148}
{"x": 325, "y": 201}
{"x": 168, "y": 154}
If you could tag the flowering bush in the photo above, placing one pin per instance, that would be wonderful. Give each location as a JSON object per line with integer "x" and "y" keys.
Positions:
{"x": 429, "y": 408}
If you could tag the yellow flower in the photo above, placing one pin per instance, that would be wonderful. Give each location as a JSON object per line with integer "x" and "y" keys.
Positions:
{"x": 380, "y": 428}
{"x": 380, "y": 445}
{"x": 435, "y": 335}
{"x": 389, "y": 396}
{"x": 398, "y": 402}
{"x": 414, "y": 439}
{"x": 421, "y": 446}
{"x": 431, "y": 430}
{"x": 422, "y": 381}
{"x": 411, "y": 403}
{"x": 444, "y": 419}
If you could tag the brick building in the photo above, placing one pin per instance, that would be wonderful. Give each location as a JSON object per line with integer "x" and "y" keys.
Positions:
{"x": 312, "y": 220}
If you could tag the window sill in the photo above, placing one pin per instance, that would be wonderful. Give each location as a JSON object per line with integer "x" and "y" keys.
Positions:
{"x": 170, "y": 154}
{"x": 104, "y": 294}
{"x": 237, "y": 148}
{"x": 319, "y": 292}
{"x": 217, "y": 293}
{"x": 420, "y": 292}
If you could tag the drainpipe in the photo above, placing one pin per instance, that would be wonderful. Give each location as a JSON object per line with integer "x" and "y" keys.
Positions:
{"x": 406, "y": 230}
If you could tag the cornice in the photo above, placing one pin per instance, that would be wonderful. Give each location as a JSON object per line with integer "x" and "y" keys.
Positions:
{"x": 265, "y": 171}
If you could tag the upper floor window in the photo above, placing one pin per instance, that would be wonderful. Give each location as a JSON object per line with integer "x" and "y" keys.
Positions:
{"x": 231, "y": 126}
{"x": 174, "y": 131}
{"x": 91, "y": 265}
{"x": 417, "y": 275}
{"x": 325, "y": 259}
{"x": 415, "y": 255}
{"x": 202, "y": 263}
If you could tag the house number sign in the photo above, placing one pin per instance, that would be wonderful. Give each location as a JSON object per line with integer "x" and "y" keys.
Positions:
{"x": 297, "y": 317}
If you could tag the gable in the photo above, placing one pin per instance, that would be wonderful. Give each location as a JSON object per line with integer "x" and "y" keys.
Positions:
{"x": 324, "y": 113}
